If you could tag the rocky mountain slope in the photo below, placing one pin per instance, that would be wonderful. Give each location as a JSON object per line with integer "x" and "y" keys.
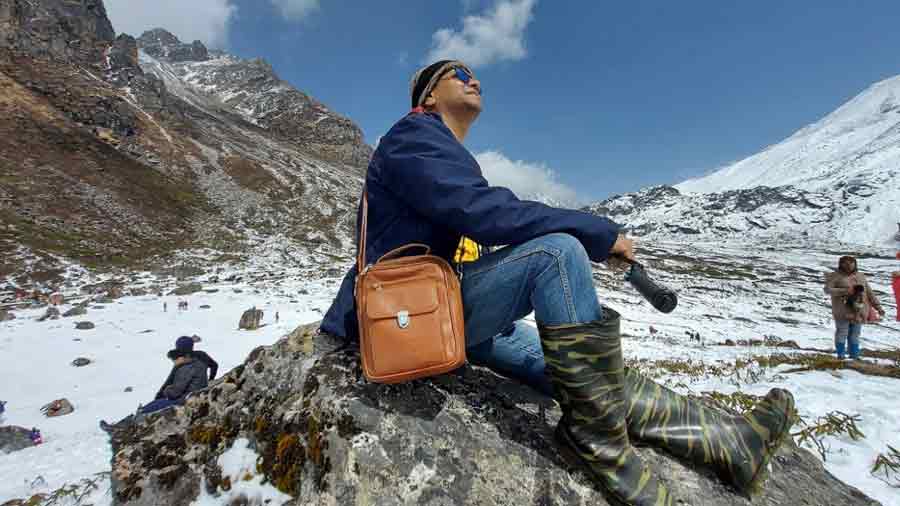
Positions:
{"x": 835, "y": 180}
{"x": 114, "y": 149}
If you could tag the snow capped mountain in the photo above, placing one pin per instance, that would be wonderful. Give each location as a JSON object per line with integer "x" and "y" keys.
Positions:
{"x": 837, "y": 180}
{"x": 859, "y": 143}
{"x": 784, "y": 213}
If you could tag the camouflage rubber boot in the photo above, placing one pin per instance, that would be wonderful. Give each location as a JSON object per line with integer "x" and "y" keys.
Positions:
{"x": 738, "y": 448}
{"x": 584, "y": 362}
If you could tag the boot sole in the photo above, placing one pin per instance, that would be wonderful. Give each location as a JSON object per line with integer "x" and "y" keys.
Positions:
{"x": 762, "y": 474}
{"x": 570, "y": 454}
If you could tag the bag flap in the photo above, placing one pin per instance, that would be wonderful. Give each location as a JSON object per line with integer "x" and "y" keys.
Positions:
{"x": 415, "y": 296}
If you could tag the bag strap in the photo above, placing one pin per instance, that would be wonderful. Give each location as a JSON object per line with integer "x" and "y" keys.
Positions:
{"x": 361, "y": 245}
{"x": 396, "y": 251}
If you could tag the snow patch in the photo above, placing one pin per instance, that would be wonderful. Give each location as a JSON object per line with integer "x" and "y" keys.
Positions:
{"x": 238, "y": 463}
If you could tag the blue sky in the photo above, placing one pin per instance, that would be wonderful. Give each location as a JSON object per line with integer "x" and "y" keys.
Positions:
{"x": 607, "y": 96}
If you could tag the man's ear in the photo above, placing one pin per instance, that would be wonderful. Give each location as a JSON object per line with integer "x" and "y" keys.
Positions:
{"x": 429, "y": 101}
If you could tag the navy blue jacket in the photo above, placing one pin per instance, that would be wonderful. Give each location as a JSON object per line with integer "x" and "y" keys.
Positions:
{"x": 424, "y": 186}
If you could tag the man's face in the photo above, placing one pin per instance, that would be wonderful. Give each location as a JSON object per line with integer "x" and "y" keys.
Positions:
{"x": 848, "y": 266}
{"x": 452, "y": 92}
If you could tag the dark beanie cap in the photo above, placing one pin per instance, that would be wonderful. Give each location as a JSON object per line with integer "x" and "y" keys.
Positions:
{"x": 421, "y": 80}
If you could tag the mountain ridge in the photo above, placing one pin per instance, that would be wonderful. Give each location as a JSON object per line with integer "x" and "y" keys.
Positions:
{"x": 836, "y": 180}
{"x": 107, "y": 163}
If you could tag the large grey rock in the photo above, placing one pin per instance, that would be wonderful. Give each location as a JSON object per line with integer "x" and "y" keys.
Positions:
{"x": 251, "y": 319}
{"x": 6, "y": 315}
{"x": 327, "y": 437}
{"x": 13, "y": 439}
{"x": 79, "y": 31}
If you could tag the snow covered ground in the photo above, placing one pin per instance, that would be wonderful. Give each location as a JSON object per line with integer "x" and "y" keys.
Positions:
{"x": 726, "y": 292}
{"x": 128, "y": 349}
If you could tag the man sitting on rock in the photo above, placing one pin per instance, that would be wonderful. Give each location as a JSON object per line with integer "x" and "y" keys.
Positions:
{"x": 188, "y": 375}
{"x": 575, "y": 353}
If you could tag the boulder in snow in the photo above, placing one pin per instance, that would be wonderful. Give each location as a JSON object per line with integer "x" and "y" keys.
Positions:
{"x": 59, "y": 407}
{"x": 13, "y": 438}
{"x": 250, "y": 319}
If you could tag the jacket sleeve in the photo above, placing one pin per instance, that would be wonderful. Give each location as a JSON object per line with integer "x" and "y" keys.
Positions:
{"x": 831, "y": 289}
{"x": 180, "y": 383}
{"x": 210, "y": 363}
{"x": 213, "y": 368}
{"x": 425, "y": 167}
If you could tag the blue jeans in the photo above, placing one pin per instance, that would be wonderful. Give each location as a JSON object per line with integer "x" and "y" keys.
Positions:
{"x": 157, "y": 405}
{"x": 845, "y": 331}
{"x": 550, "y": 275}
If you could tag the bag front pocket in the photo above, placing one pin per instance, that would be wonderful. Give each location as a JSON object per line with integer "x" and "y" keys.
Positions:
{"x": 404, "y": 325}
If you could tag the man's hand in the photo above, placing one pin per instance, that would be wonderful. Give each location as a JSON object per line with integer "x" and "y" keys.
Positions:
{"x": 623, "y": 248}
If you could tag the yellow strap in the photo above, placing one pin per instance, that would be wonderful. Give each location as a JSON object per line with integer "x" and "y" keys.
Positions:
{"x": 467, "y": 251}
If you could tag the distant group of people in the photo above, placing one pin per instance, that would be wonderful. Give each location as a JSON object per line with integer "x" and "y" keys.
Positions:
{"x": 853, "y": 304}
{"x": 182, "y": 305}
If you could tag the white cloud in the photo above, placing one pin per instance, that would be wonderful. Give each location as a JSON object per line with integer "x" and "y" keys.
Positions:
{"x": 206, "y": 20}
{"x": 533, "y": 181}
{"x": 493, "y": 37}
{"x": 295, "y": 9}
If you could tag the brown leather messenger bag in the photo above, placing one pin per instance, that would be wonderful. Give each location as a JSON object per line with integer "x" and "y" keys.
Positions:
{"x": 410, "y": 313}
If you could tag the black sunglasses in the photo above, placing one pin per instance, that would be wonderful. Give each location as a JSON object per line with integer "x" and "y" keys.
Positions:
{"x": 464, "y": 76}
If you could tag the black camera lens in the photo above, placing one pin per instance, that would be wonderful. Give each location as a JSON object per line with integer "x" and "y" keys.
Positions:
{"x": 658, "y": 295}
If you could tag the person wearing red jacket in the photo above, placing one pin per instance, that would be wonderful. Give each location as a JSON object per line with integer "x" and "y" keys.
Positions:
{"x": 896, "y": 284}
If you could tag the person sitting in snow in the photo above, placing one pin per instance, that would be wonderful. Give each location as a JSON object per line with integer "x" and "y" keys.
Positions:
{"x": 575, "y": 353}
{"x": 851, "y": 299}
{"x": 188, "y": 375}
{"x": 202, "y": 356}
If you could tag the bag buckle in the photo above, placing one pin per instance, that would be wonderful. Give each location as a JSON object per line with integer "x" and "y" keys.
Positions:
{"x": 403, "y": 319}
